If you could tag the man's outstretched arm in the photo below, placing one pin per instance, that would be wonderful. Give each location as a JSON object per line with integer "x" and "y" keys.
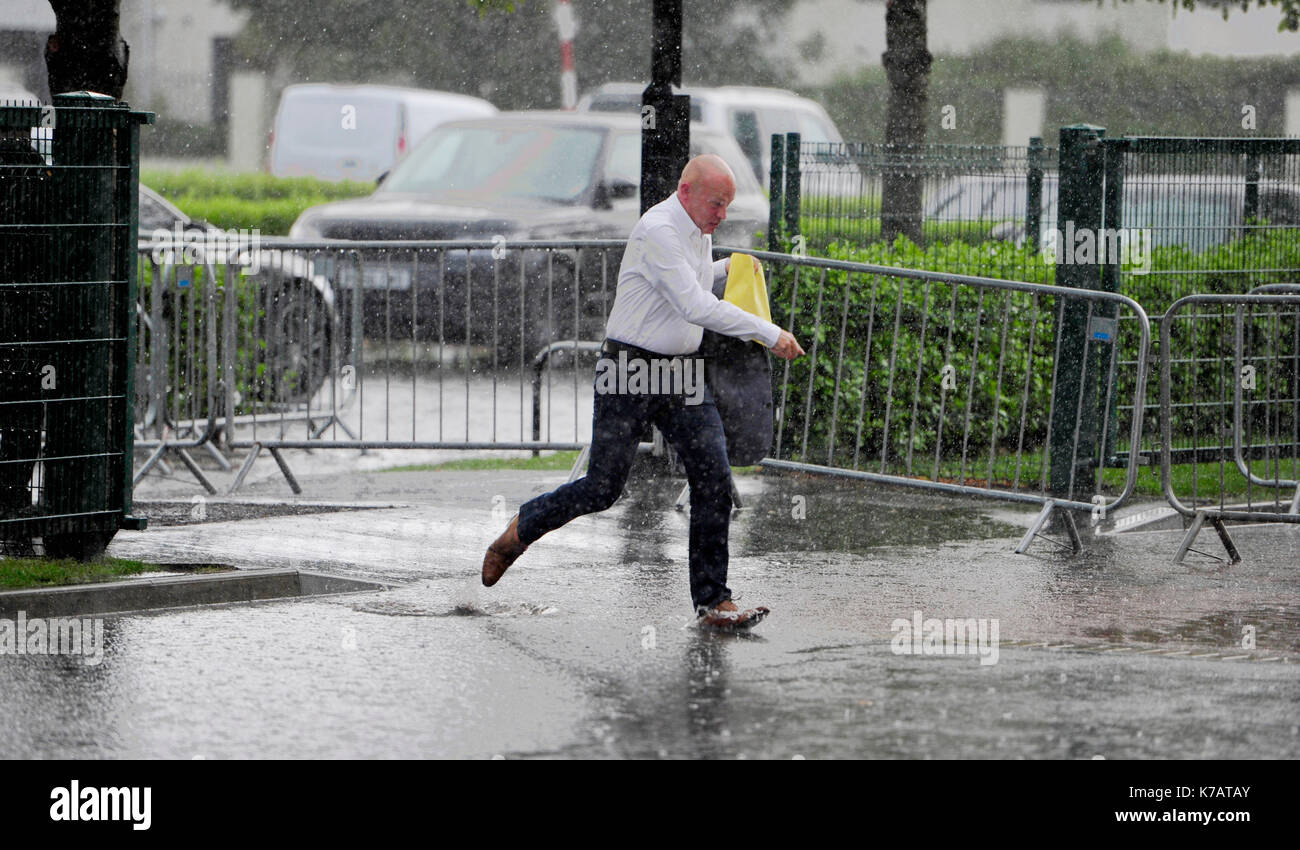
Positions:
{"x": 786, "y": 346}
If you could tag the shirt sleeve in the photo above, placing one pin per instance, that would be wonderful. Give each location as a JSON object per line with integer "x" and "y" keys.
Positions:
{"x": 719, "y": 270}
{"x": 669, "y": 271}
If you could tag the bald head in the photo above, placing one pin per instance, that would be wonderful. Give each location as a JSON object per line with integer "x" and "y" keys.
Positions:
{"x": 707, "y": 167}
{"x": 707, "y": 186}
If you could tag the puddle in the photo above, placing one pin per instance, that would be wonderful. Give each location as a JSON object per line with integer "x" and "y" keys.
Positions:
{"x": 460, "y": 608}
{"x": 1272, "y": 630}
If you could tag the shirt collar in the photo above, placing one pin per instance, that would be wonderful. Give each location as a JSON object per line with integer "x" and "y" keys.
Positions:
{"x": 682, "y": 218}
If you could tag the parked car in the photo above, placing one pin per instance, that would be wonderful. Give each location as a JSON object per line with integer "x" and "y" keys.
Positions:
{"x": 338, "y": 132}
{"x": 749, "y": 114}
{"x": 517, "y": 176}
{"x": 1198, "y": 211}
{"x": 296, "y": 311}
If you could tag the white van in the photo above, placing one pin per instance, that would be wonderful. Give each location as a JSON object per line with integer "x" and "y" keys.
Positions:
{"x": 748, "y": 114}
{"x": 338, "y": 132}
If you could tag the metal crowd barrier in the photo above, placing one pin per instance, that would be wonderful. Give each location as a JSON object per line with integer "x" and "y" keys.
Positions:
{"x": 950, "y": 383}
{"x": 947, "y": 383}
{"x": 943, "y": 382}
{"x": 291, "y": 344}
{"x": 176, "y": 362}
{"x": 1236, "y": 424}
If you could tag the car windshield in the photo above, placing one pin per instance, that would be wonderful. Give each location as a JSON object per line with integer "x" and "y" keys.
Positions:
{"x": 479, "y": 164}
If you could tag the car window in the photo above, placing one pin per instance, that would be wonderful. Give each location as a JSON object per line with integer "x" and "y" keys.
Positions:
{"x": 744, "y": 127}
{"x": 615, "y": 103}
{"x": 813, "y": 129}
{"x": 515, "y": 162}
{"x": 631, "y": 103}
{"x": 720, "y": 146}
{"x": 778, "y": 121}
{"x": 625, "y": 159}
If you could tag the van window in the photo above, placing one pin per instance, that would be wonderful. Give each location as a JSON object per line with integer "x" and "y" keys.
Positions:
{"x": 779, "y": 121}
{"x": 813, "y": 129}
{"x": 744, "y": 127}
{"x": 708, "y": 143}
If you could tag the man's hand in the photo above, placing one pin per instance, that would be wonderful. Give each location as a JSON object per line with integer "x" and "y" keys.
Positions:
{"x": 787, "y": 346}
{"x": 757, "y": 267}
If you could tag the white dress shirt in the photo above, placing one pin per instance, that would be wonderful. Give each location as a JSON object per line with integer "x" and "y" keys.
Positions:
{"x": 665, "y": 294}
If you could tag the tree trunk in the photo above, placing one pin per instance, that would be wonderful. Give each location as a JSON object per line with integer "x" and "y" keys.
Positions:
{"x": 907, "y": 65}
{"x": 86, "y": 51}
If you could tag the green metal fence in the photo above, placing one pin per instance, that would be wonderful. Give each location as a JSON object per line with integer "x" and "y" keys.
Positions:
{"x": 69, "y": 175}
{"x": 831, "y": 193}
{"x": 1158, "y": 219}
{"x": 1219, "y": 215}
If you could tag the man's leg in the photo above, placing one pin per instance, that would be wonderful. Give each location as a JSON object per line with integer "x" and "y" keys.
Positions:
{"x": 695, "y": 432}
{"x": 617, "y": 422}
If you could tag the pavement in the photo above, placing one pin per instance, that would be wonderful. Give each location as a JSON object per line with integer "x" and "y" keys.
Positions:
{"x": 587, "y": 647}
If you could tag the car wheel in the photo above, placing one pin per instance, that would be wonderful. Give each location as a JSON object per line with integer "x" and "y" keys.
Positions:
{"x": 298, "y": 328}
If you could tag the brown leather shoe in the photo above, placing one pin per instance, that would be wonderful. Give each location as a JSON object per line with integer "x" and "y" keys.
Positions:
{"x": 502, "y": 553}
{"x": 728, "y": 617}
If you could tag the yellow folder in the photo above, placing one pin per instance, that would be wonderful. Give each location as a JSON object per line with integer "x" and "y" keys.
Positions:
{"x": 746, "y": 287}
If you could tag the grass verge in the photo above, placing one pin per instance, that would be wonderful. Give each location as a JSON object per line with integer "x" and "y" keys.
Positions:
{"x": 18, "y": 573}
{"x": 1203, "y": 480}
{"x": 551, "y": 461}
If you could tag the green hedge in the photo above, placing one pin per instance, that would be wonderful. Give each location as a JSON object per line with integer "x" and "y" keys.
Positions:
{"x": 920, "y": 329}
{"x": 936, "y": 328}
{"x": 248, "y": 201}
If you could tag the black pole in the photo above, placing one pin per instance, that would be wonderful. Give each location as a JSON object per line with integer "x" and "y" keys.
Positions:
{"x": 665, "y": 117}
{"x": 1034, "y": 194}
{"x": 775, "y": 202}
{"x": 1074, "y": 406}
{"x": 793, "y": 191}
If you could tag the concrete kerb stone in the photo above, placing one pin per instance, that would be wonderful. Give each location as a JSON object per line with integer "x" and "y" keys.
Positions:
{"x": 149, "y": 593}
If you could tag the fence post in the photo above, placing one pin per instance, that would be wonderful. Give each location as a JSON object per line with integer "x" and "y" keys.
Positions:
{"x": 792, "y": 225}
{"x": 1034, "y": 194}
{"x": 1251, "y": 210}
{"x": 1113, "y": 219}
{"x": 1074, "y": 414}
{"x": 776, "y": 183}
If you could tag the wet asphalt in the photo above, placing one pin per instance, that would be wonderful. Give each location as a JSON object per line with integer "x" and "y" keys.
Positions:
{"x": 587, "y": 647}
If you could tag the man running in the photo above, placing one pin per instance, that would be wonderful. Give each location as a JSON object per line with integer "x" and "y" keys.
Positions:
{"x": 663, "y": 303}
